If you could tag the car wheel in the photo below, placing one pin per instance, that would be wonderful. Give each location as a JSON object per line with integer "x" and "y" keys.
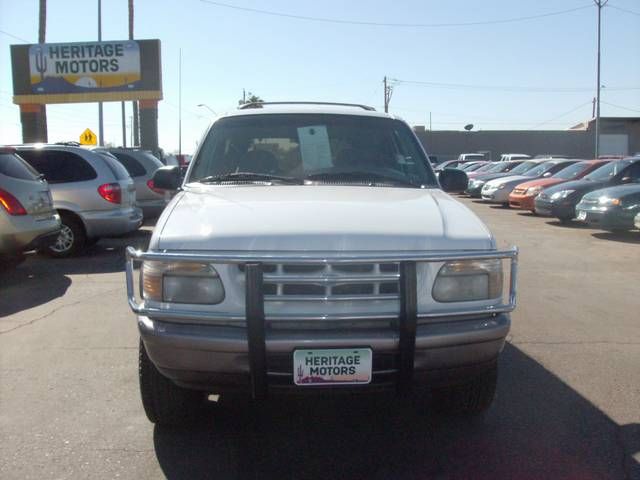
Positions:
{"x": 71, "y": 238}
{"x": 164, "y": 402}
{"x": 565, "y": 220}
{"x": 470, "y": 398}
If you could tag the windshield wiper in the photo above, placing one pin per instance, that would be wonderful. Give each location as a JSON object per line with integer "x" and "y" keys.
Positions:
{"x": 369, "y": 177}
{"x": 249, "y": 177}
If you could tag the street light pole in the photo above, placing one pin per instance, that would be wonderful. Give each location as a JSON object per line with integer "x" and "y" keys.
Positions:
{"x": 599, "y": 4}
{"x": 203, "y": 105}
{"x": 100, "y": 114}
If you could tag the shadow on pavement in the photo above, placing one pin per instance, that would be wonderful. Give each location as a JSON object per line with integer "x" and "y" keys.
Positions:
{"x": 538, "y": 427}
{"x": 624, "y": 237}
{"x": 568, "y": 224}
{"x": 41, "y": 279}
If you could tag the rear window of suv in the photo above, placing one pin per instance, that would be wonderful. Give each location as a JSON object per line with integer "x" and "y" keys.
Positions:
{"x": 13, "y": 166}
{"x": 59, "y": 166}
{"x": 133, "y": 166}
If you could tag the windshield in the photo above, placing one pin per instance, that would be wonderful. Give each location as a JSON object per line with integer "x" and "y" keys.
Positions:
{"x": 523, "y": 167}
{"x": 487, "y": 167}
{"x": 540, "y": 169}
{"x": 572, "y": 171}
{"x": 607, "y": 171}
{"x": 345, "y": 148}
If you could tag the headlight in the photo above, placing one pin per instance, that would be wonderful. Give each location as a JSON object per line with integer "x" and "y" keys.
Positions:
{"x": 561, "y": 194}
{"x": 533, "y": 191}
{"x": 609, "y": 201}
{"x": 181, "y": 282}
{"x": 468, "y": 280}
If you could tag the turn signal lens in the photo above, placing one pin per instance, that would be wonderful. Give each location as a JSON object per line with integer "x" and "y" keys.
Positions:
{"x": 153, "y": 188}
{"x": 11, "y": 204}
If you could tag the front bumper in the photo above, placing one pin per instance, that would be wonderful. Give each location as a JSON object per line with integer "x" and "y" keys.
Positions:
{"x": 496, "y": 196}
{"x": 610, "y": 219}
{"x": 474, "y": 191}
{"x": 106, "y": 223}
{"x": 213, "y": 357}
{"x": 523, "y": 202}
{"x": 256, "y": 350}
{"x": 560, "y": 209}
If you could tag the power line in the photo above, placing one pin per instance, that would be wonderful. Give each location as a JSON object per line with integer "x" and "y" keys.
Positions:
{"x": 382, "y": 24}
{"x": 624, "y": 10}
{"x": 620, "y": 107}
{"x": 508, "y": 88}
{"x": 561, "y": 115}
{"x": 14, "y": 36}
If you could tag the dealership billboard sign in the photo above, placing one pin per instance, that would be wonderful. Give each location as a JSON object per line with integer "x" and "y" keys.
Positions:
{"x": 86, "y": 71}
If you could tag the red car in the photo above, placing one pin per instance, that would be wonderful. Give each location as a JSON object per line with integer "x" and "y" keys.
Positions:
{"x": 524, "y": 195}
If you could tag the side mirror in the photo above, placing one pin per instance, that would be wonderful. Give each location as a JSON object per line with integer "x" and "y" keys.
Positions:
{"x": 167, "y": 178}
{"x": 452, "y": 180}
{"x": 625, "y": 180}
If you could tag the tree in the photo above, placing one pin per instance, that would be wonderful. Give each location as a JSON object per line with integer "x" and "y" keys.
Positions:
{"x": 250, "y": 98}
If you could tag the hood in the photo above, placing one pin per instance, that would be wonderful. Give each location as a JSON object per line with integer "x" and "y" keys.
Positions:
{"x": 485, "y": 177}
{"x": 509, "y": 179}
{"x": 619, "y": 191}
{"x": 318, "y": 218}
{"x": 577, "y": 185}
{"x": 541, "y": 182}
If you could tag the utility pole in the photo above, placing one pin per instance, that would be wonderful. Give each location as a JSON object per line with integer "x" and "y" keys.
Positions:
{"x": 388, "y": 90}
{"x": 100, "y": 117}
{"x": 124, "y": 127}
{"x": 599, "y": 4}
{"x": 180, "y": 103}
{"x": 430, "y": 122}
{"x": 41, "y": 126}
{"x": 134, "y": 125}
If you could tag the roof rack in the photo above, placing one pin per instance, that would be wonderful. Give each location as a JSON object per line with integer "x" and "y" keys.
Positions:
{"x": 335, "y": 104}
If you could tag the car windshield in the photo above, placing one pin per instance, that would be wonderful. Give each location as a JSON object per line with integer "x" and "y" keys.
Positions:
{"x": 487, "y": 167}
{"x": 524, "y": 167}
{"x": 572, "y": 171}
{"x": 607, "y": 171}
{"x": 311, "y": 148}
{"x": 540, "y": 169}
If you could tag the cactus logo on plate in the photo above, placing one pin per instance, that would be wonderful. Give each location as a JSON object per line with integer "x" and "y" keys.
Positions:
{"x": 336, "y": 366}
{"x": 84, "y": 67}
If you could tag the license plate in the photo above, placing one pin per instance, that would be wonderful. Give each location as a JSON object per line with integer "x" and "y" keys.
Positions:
{"x": 582, "y": 215}
{"x": 344, "y": 366}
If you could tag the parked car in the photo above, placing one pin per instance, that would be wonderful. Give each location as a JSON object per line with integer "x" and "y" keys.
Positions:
{"x": 401, "y": 284}
{"x": 504, "y": 169}
{"x": 498, "y": 190}
{"x": 510, "y": 157}
{"x": 141, "y": 166}
{"x": 612, "y": 208}
{"x": 523, "y": 195}
{"x": 93, "y": 194}
{"x": 484, "y": 167}
{"x": 472, "y": 157}
{"x": 27, "y": 218}
{"x": 560, "y": 200}
{"x": 471, "y": 166}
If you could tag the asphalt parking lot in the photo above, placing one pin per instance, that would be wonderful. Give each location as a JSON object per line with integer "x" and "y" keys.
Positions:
{"x": 567, "y": 405}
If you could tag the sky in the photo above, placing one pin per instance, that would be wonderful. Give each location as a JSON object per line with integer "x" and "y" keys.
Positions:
{"x": 538, "y": 73}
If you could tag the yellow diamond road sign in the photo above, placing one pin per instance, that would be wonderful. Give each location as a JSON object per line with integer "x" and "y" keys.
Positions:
{"x": 88, "y": 138}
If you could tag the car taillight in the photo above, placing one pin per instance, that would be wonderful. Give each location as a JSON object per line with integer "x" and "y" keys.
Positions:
{"x": 110, "y": 192}
{"x": 11, "y": 204}
{"x": 153, "y": 188}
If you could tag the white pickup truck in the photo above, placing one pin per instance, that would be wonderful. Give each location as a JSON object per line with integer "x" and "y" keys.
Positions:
{"x": 312, "y": 247}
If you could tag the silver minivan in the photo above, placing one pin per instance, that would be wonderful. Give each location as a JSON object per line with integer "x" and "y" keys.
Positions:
{"x": 94, "y": 194}
{"x": 141, "y": 165}
{"x": 27, "y": 218}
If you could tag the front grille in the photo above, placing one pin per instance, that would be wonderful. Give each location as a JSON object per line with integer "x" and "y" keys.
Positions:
{"x": 331, "y": 282}
{"x": 589, "y": 201}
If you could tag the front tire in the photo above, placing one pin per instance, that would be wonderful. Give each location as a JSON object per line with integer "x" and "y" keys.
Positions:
{"x": 164, "y": 402}
{"x": 471, "y": 398}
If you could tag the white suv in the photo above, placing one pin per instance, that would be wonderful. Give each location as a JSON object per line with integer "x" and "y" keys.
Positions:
{"x": 312, "y": 247}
